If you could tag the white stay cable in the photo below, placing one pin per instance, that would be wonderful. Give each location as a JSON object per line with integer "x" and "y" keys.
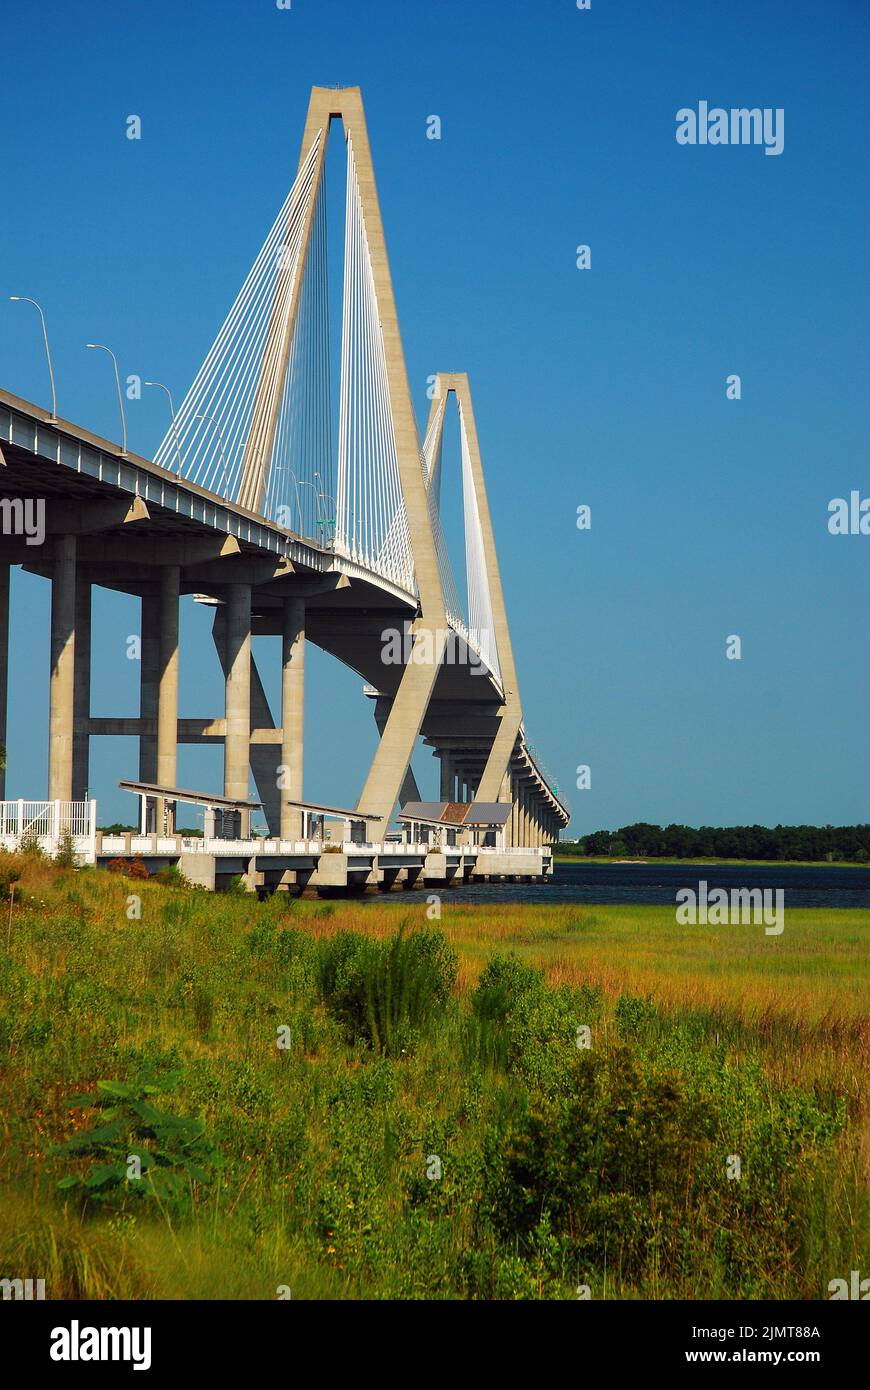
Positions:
{"x": 372, "y": 524}
{"x": 479, "y": 601}
{"x": 212, "y": 428}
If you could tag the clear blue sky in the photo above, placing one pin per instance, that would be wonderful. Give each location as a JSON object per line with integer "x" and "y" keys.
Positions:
{"x": 604, "y": 387}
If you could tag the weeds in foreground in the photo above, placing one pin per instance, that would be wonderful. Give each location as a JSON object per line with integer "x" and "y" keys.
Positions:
{"x": 328, "y": 1098}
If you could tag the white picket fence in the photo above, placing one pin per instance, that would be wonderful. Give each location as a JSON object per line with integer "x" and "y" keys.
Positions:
{"x": 47, "y": 823}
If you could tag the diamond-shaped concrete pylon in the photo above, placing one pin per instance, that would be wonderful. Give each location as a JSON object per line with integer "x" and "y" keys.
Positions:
{"x": 391, "y": 761}
{"x": 492, "y": 782}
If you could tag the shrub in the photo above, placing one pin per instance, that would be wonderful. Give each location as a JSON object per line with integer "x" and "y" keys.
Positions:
{"x": 386, "y": 993}
{"x": 170, "y": 876}
{"x": 633, "y": 1015}
{"x": 628, "y": 1168}
{"x": 130, "y": 868}
{"x": 29, "y": 843}
{"x": 172, "y": 1150}
{"x": 609, "y": 1164}
{"x": 503, "y": 983}
{"x": 10, "y": 873}
{"x": 520, "y": 1024}
{"x": 66, "y": 857}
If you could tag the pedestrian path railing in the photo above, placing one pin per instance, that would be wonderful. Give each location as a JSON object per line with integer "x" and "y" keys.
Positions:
{"x": 50, "y": 826}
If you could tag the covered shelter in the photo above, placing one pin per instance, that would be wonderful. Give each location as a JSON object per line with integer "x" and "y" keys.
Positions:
{"x": 485, "y": 820}
{"x": 355, "y": 822}
{"x": 226, "y": 817}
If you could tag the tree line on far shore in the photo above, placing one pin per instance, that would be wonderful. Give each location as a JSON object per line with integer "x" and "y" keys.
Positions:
{"x": 643, "y": 840}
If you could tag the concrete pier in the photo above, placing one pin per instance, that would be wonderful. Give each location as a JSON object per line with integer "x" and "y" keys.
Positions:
{"x": 167, "y": 687}
{"x": 149, "y": 659}
{"x": 238, "y": 692}
{"x": 292, "y": 714}
{"x": 82, "y": 694}
{"x": 62, "y": 676}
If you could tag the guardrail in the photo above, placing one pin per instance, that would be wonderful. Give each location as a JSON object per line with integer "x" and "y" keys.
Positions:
{"x": 47, "y": 824}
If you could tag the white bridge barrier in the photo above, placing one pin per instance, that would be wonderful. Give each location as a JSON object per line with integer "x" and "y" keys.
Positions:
{"x": 49, "y": 825}
{"x": 55, "y": 825}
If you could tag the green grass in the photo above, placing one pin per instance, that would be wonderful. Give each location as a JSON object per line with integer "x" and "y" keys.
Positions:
{"x": 310, "y": 1165}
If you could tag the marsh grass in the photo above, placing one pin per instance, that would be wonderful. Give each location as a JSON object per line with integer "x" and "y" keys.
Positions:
{"x": 407, "y": 1042}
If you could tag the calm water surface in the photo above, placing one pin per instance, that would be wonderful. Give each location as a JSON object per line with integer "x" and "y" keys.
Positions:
{"x": 816, "y": 886}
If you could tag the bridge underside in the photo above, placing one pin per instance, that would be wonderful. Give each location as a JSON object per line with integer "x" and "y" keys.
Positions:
{"x": 121, "y": 523}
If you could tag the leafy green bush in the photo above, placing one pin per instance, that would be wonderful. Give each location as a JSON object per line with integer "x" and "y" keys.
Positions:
{"x": 629, "y": 1167}
{"x": 609, "y": 1164}
{"x": 503, "y": 983}
{"x": 522, "y": 1025}
{"x": 172, "y": 1150}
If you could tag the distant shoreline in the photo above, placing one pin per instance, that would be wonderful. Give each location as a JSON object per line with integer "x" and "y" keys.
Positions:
{"x": 706, "y": 859}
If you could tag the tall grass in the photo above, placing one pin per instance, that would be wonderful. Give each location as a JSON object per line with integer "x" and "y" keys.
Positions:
{"x": 408, "y": 1043}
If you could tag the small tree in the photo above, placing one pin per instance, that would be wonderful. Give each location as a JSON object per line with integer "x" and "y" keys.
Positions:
{"x": 66, "y": 857}
{"x": 141, "y": 1152}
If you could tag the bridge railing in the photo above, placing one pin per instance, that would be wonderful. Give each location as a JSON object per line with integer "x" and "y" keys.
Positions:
{"x": 47, "y": 824}
{"x": 546, "y": 776}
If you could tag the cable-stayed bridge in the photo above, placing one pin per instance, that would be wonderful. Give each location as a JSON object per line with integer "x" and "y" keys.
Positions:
{"x": 296, "y": 510}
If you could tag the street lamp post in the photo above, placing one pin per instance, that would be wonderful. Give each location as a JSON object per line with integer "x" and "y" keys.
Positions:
{"x": 172, "y": 417}
{"x": 102, "y": 347}
{"x": 324, "y": 497}
{"x": 24, "y": 299}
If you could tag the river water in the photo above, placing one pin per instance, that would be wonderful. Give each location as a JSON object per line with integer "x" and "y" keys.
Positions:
{"x": 813, "y": 886}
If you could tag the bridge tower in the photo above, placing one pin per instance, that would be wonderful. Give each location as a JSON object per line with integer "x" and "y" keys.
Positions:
{"x": 401, "y": 729}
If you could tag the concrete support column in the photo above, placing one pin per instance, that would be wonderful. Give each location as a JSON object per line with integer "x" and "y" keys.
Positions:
{"x": 167, "y": 689}
{"x": 4, "y": 667}
{"x": 82, "y": 696}
{"x": 62, "y": 677}
{"x": 292, "y": 715}
{"x": 504, "y": 796}
{"x": 447, "y": 791}
{"x": 149, "y": 663}
{"x": 238, "y": 696}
